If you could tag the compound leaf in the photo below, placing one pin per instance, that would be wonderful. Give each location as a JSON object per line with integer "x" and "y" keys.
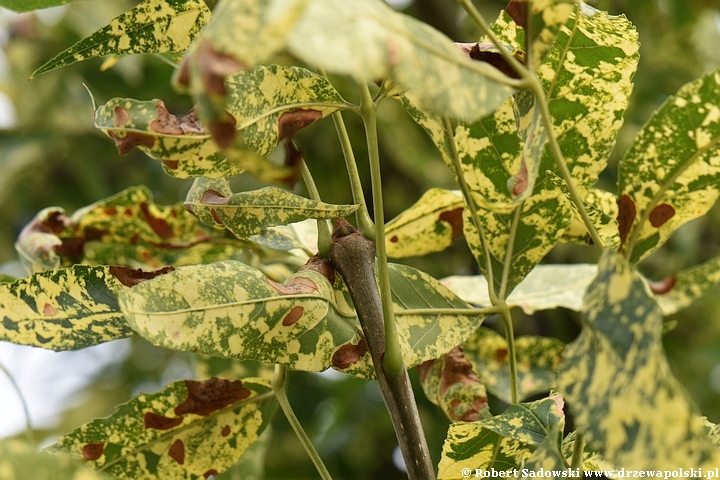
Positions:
{"x": 628, "y": 405}
{"x": 67, "y": 309}
{"x": 670, "y": 174}
{"x": 430, "y": 225}
{"x": 188, "y": 430}
{"x": 153, "y": 26}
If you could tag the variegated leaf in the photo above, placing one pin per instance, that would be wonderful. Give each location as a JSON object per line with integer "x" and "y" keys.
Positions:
{"x": 418, "y": 57}
{"x": 624, "y": 398}
{"x": 450, "y": 383}
{"x": 430, "y": 225}
{"x": 189, "y": 430}
{"x": 680, "y": 290}
{"x": 22, "y": 461}
{"x": 431, "y": 320}
{"x": 548, "y": 457}
{"x": 602, "y": 208}
{"x": 229, "y": 309}
{"x": 153, "y": 26}
{"x": 126, "y": 229}
{"x": 249, "y": 213}
{"x": 541, "y": 20}
{"x": 534, "y": 136}
{"x": 182, "y": 145}
{"x": 579, "y": 85}
{"x": 592, "y": 461}
{"x": 545, "y": 287}
{"x": 671, "y": 172}
{"x": 29, "y": 5}
{"x": 69, "y": 308}
{"x": 537, "y": 361}
{"x": 503, "y": 442}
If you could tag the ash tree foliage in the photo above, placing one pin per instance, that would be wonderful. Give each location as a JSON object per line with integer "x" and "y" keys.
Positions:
{"x": 525, "y": 120}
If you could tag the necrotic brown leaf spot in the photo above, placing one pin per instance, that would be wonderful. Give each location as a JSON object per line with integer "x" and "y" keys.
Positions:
{"x": 454, "y": 218}
{"x": 518, "y": 11}
{"x": 664, "y": 286}
{"x": 121, "y": 117}
{"x": 501, "y": 354}
{"x": 626, "y": 216}
{"x": 168, "y": 124}
{"x": 177, "y": 451}
{"x": 211, "y": 395}
{"x": 294, "y": 286}
{"x": 225, "y": 431}
{"x": 223, "y": 132}
{"x": 456, "y": 369}
{"x": 394, "y": 239}
{"x": 93, "y": 451}
{"x": 49, "y": 310}
{"x": 291, "y": 122}
{"x": 131, "y": 139}
{"x": 159, "y": 422}
{"x": 171, "y": 164}
{"x": 159, "y": 225}
{"x": 293, "y": 316}
{"x": 213, "y": 197}
{"x": 425, "y": 368}
{"x": 130, "y": 278}
{"x": 349, "y": 354}
{"x": 661, "y": 214}
{"x": 214, "y": 67}
{"x": 472, "y": 414}
{"x": 210, "y": 473}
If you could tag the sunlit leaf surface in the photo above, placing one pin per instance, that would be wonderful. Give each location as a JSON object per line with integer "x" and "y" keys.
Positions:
{"x": 153, "y": 26}
{"x": 189, "y": 430}
{"x": 430, "y": 225}
{"x": 618, "y": 382}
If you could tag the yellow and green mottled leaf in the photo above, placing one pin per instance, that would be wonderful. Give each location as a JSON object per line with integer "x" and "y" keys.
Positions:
{"x": 545, "y": 287}
{"x": 248, "y": 213}
{"x": 450, "y": 383}
{"x": 430, "y": 225}
{"x": 21, "y": 461}
{"x": 125, "y": 229}
{"x": 680, "y": 290}
{"x": 548, "y": 456}
{"x": 65, "y": 309}
{"x": 443, "y": 81}
{"x": 671, "y": 172}
{"x": 587, "y": 80}
{"x": 229, "y": 309}
{"x": 592, "y": 461}
{"x": 542, "y": 23}
{"x": 153, "y": 26}
{"x": 534, "y": 136}
{"x": 182, "y": 144}
{"x": 503, "y": 442}
{"x": 189, "y": 430}
{"x": 431, "y": 320}
{"x": 537, "y": 361}
{"x": 617, "y": 379}
{"x": 602, "y": 208}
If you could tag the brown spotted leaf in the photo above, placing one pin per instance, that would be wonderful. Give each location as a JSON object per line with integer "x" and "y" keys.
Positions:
{"x": 206, "y": 427}
{"x": 450, "y": 383}
{"x": 618, "y": 382}
{"x": 125, "y": 229}
{"x": 153, "y": 26}
{"x": 686, "y": 286}
{"x": 64, "y": 309}
{"x": 20, "y": 460}
{"x": 430, "y": 225}
{"x": 503, "y": 442}
{"x": 671, "y": 174}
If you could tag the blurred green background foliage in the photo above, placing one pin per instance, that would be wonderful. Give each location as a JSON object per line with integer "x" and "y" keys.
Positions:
{"x": 51, "y": 155}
